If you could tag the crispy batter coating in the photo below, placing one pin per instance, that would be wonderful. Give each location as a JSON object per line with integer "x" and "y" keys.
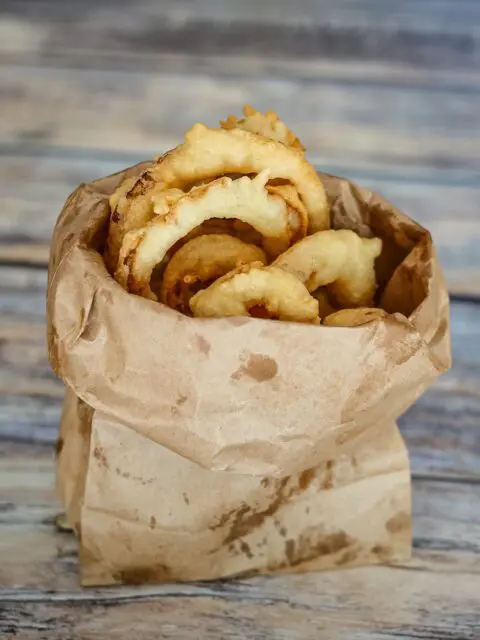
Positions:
{"x": 135, "y": 202}
{"x": 258, "y": 291}
{"x": 245, "y": 199}
{"x": 341, "y": 259}
{"x": 265, "y": 124}
{"x": 325, "y": 307}
{"x": 201, "y": 261}
{"x": 209, "y": 153}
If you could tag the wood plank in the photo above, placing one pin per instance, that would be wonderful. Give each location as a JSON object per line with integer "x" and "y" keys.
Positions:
{"x": 354, "y": 121}
{"x": 35, "y": 186}
{"x": 40, "y": 590}
{"x": 441, "y": 429}
{"x": 221, "y": 617}
{"x": 427, "y": 32}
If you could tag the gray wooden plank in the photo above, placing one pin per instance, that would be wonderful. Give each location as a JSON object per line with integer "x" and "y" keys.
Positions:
{"x": 218, "y": 618}
{"x": 442, "y": 429}
{"x": 350, "y": 122}
{"x": 429, "y": 32}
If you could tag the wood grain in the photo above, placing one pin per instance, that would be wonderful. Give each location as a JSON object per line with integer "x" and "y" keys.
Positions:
{"x": 147, "y": 112}
{"x": 424, "y": 33}
{"x": 39, "y": 581}
{"x": 220, "y": 617}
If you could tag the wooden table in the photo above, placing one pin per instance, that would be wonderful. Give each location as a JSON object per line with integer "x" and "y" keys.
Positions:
{"x": 383, "y": 92}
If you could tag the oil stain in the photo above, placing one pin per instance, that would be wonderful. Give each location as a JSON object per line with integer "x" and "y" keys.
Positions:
{"x": 258, "y": 367}
{"x": 311, "y": 545}
{"x": 203, "y": 345}
{"x": 140, "y": 575}
{"x": 99, "y": 454}
{"x": 398, "y": 522}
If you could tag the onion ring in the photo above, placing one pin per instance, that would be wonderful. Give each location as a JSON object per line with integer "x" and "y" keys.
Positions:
{"x": 341, "y": 259}
{"x": 163, "y": 199}
{"x": 200, "y": 261}
{"x": 354, "y": 317}
{"x": 245, "y": 199}
{"x": 210, "y": 153}
{"x": 117, "y": 203}
{"x": 298, "y": 219}
{"x": 267, "y": 124}
{"x": 325, "y": 307}
{"x": 252, "y": 288}
{"x": 135, "y": 202}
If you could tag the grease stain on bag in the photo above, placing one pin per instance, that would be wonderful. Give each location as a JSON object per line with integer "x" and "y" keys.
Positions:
{"x": 258, "y": 367}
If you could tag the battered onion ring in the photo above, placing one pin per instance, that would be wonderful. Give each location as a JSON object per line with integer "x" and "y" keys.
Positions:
{"x": 354, "y": 317}
{"x": 163, "y": 199}
{"x": 325, "y": 307}
{"x": 115, "y": 229}
{"x": 341, "y": 259}
{"x": 200, "y": 261}
{"x": 121, "y": 191}
{"x": 298, "y": 218}
{"x": 132, "y": 205}
{"x": 245, "y": 199}
{"x": 265, "y": 124}
{"x": 254, "y": 286}
{"x": 209, "y": 153}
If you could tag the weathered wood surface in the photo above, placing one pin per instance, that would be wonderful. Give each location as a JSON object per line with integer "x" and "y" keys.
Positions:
{"x": 91, "y": 87}
{"x": 431, "y": 33}
{"x": 385, "y": 93}
{"x": 40, "y": 589}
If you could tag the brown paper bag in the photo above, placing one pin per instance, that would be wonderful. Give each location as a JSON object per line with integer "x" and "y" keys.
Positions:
{"x": 201, "y": 448}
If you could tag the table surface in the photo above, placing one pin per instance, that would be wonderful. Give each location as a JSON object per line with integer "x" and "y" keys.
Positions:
{"x": 383, "y": 92}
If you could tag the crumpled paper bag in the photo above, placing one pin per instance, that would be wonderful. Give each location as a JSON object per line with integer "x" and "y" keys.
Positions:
{"x": 195, "y": 449}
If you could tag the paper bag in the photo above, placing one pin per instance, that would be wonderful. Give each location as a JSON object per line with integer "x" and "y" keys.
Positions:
{"x": 195, "y": 449}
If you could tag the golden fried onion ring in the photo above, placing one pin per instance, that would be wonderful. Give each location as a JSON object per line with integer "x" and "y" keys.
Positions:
{"x": 325, "y": 307}
{"x": 245, "y": 199}
{"x": 202, "y": 260}
{"x": 132, "y": 205}
{"x": 162, "y": 199}
{"x": 209, "y": 153}
{"x": 298, "y": 213}
{"x": 341, "y": 259}
{"x": 265, "y": 124}
{"x": 121, "y": 191}
{"x": 354, "y": 317}
{"x": 118, "y": 205}
{"x": 247, "y": 288}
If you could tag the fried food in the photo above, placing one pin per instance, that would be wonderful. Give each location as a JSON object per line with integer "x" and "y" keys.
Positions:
{"x": 258, "y": 291}
{"x": 341, "y": 259}
{"x": 136, "y": 201}
{"x": 210, "y": 153}
{"x": 265, "y": 124}
{"x": 245, "y": 199}
{"x": 354, "y": 317}
{"x": 163, "y": 199}
{"x": 297, "y": 215}
{"x": 189, "y": 228}
{"x": 199, "y": 262}
{"x": 121, "y": 191}
{"x": 118, "y": 205}
{"x": 325, "y": 307}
